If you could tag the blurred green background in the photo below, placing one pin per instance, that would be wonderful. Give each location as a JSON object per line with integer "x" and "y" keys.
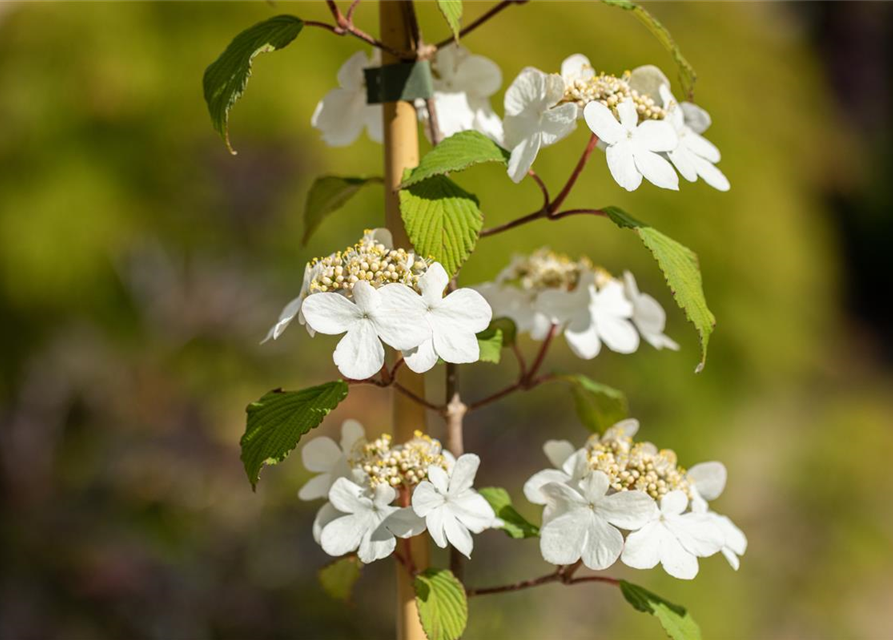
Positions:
{"x": 140, "y": 265}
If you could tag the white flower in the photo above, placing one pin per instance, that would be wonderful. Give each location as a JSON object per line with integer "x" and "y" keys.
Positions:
{"x": 517, "y": 305}
{"x": 532, "y": 119}
{"x": 451, "y": 508}
{"x": 454, "y": 321}
{"x": 293, "y": 308}
{"x": 590, "y": 316}
{"x": 673, "y": 538}
{"x": 694, "y": 156}
{"x": 359, "y": 528}
{"x": 633, "y": 148}
{"x": 570, "y": 465}
{"x": 648, "y": 316}
{"x": 393, "y": 314}
{"x": 329, "y": 460}
{"x": 576, "y": 68}
{"x": 708, "y": 479}
{"x": 343, "y": 113}
{"x": 582, "y": 522}
{"x": 463, "y": 84}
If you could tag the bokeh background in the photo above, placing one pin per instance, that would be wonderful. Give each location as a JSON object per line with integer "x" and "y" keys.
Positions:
{"x": 140, "y": 265}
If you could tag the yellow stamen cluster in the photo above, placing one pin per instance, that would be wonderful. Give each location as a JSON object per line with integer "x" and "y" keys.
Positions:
{"x": 611, "y": 91}
{"x": 636, "y": 465}
{"x": 399, "y": 464}
{"x": 369, "y": 261}
{"x": 545, "y": 269}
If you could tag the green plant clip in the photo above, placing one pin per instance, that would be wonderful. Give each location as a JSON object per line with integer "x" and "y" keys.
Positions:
{"x": 401, "y": 81}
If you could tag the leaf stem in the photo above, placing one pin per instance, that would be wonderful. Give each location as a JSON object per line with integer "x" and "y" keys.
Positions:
{"x": 481, "y": 20}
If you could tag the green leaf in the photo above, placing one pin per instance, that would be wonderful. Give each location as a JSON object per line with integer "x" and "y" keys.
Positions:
{"x": 452, "y": 11}
{"x": 515, "y": 525}
{"x": 277, "y": 421}
{"x": 442, "y": 220}
{"x": 687, "y": 73}
{"x": 226, "y": 78}
{"x": 598, "y": 405}
{"x": 443, "y": 607}
{"x": 492, "y": 340}
{"x": 328, "y": 194}
{"x": 457, "y": 153}
{"x": 675, "y": 620}
{"x": 680, "y": 267}
{"x": 338, "y": 578}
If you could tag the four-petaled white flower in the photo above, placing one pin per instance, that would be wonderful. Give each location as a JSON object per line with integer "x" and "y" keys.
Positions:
{"x": 393, "y": 314}
{"x": 708, "y": 480}
{"x": 633, "y": 149}
{"x": 454, "y": 320}
{"x": 648, "y": 316}
{"x": 694, "y": 156}
{"x": 451, "y": 508}
{"x": 343, "y": 112}
{"x": 590, "y": 316}
{"x": 328, "y": 459}
{"x": 673, "y": 538}
{"x": 571, "y": 465}
{"x": 359, "y": 528}
{"x": 581, "y": 522}
{"x": 532, "y": 119}
{"x": 463, "y": 84}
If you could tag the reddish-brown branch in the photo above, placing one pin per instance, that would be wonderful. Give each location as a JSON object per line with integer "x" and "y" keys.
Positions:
{"x": 542, "y": 185}
{"x": 562, "y": 575}
{"x": 344, "y": 27}
{"x": 478, "y": 22}
{"x": 541, "y": 356}
{"x": 572, "y": 180}
{"x": 388, "y": 380}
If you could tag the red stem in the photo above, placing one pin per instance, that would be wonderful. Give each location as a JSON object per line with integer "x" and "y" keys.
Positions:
{"x": 562, "y": 575}
{"x": 484, "y": 18}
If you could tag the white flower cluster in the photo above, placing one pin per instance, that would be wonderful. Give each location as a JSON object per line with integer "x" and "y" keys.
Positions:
{"x": 615, "y": 483}
{"x": 362, "y": 480}
{"x": 376, "y": 294}
{"x": 587, "y": 304}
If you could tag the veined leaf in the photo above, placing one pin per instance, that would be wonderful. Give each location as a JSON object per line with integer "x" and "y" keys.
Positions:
{"x": 452, "y": 11}
{"x": 457, "y": 153}
{"x": 492, "y": 340}
{"x": 442, "y": 220}
{"x": 680, "y": 267}
{"x": 514, "y": 524}
{"x": 328, "y": 194}
{"x": 443, "y": 606}
{"x": 598, "y": 405}
{"x": 687, "y": 73}
{"x": 675, "y": 620}
{"x": 277, "y": 421}
{"x": 338, "y": 578}
{"x": 226, "y": 78}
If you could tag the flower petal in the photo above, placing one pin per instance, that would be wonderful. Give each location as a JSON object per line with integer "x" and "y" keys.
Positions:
{"x": 711, "y": 174}
{"x": 628, "y": 115}
{"x": 576, "y": 67}
{"x": 563, "y": 537}
{"x": 479, "y": 75}
{"x": 656, "y": 169}
{"x": 463, "y": 309}
{"x": 697, "y": 532}
{"x": 285, "y": 317}
{"x": 344, "y": 534}
{"x": 533, "y": 486}
{"x": 324, "y": 516}
{"x": 558, "y": 123}
{"x": 338, "y": 116}
{"x": 642, "y": 548}
{"x": 376, "y": 545}
{"x": 348, "y": 497}
{"x": 434, "y": 520}
{"x": 622, "y": 165}
{"x": 696, "y": 118}
{"x": 439, "y": 478}
{"x": 647, "y": 81}
{"x": 350, "y": 75}
{"x": 629, "y": 510}
{"x": 673, "y": 503}
{"x": 473, "y": 511}
{"x": 601, "y": 121}
{"x": 359, "y": 354}
{"x": 585, "y": 341}
{"x": 702, "y": 147}
{"x": 656, "y": 135}
{"x": 602, "y": 546}
{"x": 523, "y": 155}
{"x": 709, "y": 478}
{"x": 404, "y": 523}
{"x": 595, "y": 486}
{"x": 526, "y": 93}
{"x": 422, "y": 358}
{"x": 558, "y": 451}
{"x": 464, "y": 471}
{"x": 330, "y": 313}
{"x": 351, "y": 432}
{"x": 459, "y": 347}
{"x": 457, "y": 534}
{"x": 400, "y": 317}
{"x": 433, "y": 282}
{"x": 426, "y": 498}
{"x": 676, "y": 561}
{"x": 316, "y": 487}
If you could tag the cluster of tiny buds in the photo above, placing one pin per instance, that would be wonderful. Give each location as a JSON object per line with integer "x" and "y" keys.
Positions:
{"x": 637, "y": 465}
{"x": 611, "y": 91}
{"x": 545, "y": 269}
{"x": 399, "y": 464}
{"x": 369, "y": 261}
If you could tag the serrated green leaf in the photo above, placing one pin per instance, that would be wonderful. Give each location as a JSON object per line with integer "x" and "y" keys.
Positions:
{"x": 490, "y": 343}
{"x": 515, "y": 525}
{"x": 442, "y": 604}
{"x": 226, "y": 78}
{"x": 338, "y": 578}
{"x": 598, "y": 405}
{"x": 457, "y": 153}
{"x": 679, "y": 265}
{"x": 452, "y": 11}
{"x": 675, "y": 620}
{"x": 687, "y": 73}
{"x": 277, "y": 421}
{"x": 442, "y": 220}
{"x": 328, "y": 194}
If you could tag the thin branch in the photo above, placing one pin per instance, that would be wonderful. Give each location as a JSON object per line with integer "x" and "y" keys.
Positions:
{"x": 562, "y": 575}
{"x": 530, "y": 217}
{"x": 572, "y": 180}
{"x": 413, "y": 21}
{"x": 484, "y": 18}
{"x": 348, "y": 28}
{"x": 388, "y": 380}
{"x": 541, "y": 356}
{"x": 519, "y": 356}
{"x": 409, "y": 394}
{"x": 335, "y": 11}
{"x": 434, "y": 131}
{"x": 353, "y": 7}
{"x": 542, "y": 185}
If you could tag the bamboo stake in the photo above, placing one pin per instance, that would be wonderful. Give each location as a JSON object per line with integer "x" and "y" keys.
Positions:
{"x": 401, "y": 151}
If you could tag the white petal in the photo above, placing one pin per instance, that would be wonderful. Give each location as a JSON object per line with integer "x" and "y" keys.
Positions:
{"x": 439, "y": 478}
{"x": 643, "y": 547}
{"x": 558, "y": 123}
{"x": 697, "y": 532}
{"x": 533, "y": 486}
{"x": 463, "y": 309}
{"x": 320, "y": 455}
{"x": 348, "y": 497}
{"x": 702, "y": 147}
{"x": 585, "y": 341}
{"x": 457, "y": 534}
{"x": 623, "y": 429}
{"x": 648, "y": 315}
{"x": 674, "y": 503}
{"x": 473, "y": 511}
{"x": 558, "y": 451}
{"x": 619, "y": 334}
{"x": 682, "y": 159}
{"x": 344, "y": 534}
{"x": 422, "y": 358}
{"x": 351, "y": 432}
{"x": 454, "y": 112}
{"x": 711, "y": 174}
{"x": 373, "y": 117}
{"x": 554, "y": 84}
{"x": 376, "y": 545}
{"x": 603, "y": 545}
{"x": 628, "y": 115}
{"x": 324, "y": 516}
{"x": 338, "y": 116}
{"x": 655, "y": 135}
{"x": 562, "y": 538}
{"x": 359, "y": 354}
{"x": 479, "y": 76}
{"x": 601, "y": 122}
{"x": 317, "y": 487}
{"x": 577, "y": 466}
{"x": 676, "y": 561}
{"x": 656, "y": 169}
{"x": 426, "y": 498}
{"x": 350, "y": 75}
{"x": 709, "y": 478}
{"x": 433, "y": 282}
{"x": 523, "y": 155}
{"x": 629, "y": 510}
{"x": 647, "y": 80}
{"x": 594, "y": 486}
{"x": 285, "y": 317}
{"x": 383, "y": 495}
{"x": 464, "y": 471}
{"x": 731, "y": 558}
{"x": 330, "y": 313}
{"x": 576, "y": 67}
{"x": 404, "y": 523}
{"x": 622, "y": 165}
{"x": 459, "y": 346}
{"x": 434, "y": 521}
{"x": 696, "y": 118}
{"x": 400, "y": 317}
{"x": 733, "y": 537}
